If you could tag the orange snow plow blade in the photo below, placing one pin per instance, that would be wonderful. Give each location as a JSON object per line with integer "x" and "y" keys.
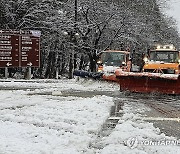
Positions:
{"x": 149, "y": 82}
{"x": 111, "y": 77}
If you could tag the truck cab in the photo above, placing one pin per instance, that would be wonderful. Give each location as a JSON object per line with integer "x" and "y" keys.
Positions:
{"x": 163, "y": 59}
{"x": 113, "y": 58}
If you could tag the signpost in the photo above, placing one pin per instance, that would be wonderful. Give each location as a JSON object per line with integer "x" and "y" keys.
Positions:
{"x": 19, "y": 48}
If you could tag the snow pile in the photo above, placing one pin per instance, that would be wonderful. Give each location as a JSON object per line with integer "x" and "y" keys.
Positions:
{"x": 52, "y": 85}
{"x": 133, "y": 135}
{"x": 50, "y": 123}
{"x": 109, "y": 69}
{"x": 41, "y": 118}
{"x": 98, "y": 85}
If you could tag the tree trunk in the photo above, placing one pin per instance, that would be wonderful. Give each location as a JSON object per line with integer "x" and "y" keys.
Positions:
{"x": 75, "y": 60}
{"x": 92, "y": 63}
{"x": 81, "y": 62}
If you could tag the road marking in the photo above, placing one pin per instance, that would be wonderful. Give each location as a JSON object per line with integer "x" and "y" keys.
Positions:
{"x": 149, "y": 119}
{"x": 161, "y": 119}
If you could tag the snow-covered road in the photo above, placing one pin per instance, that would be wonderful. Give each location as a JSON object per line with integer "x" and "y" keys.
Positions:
{"x": 38, "y": 118}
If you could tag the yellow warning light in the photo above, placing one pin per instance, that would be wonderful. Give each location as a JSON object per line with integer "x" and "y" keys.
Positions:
{"x": 165, "y": 47}
{"x": 158, "y": 47}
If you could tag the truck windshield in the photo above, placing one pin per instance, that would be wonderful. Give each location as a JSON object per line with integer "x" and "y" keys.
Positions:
{"x": 113, "y": 58}
{"x": 165, "y": 56}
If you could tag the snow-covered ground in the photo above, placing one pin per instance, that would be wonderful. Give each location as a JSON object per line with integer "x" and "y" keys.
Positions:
{"x": 134, "y": 136}
{"x": 38, "y": 118}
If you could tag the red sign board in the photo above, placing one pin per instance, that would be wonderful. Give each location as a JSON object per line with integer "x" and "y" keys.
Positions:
{"x": 19, "y": 48}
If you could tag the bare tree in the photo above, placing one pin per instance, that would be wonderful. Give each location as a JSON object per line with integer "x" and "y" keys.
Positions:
{"x": 100, "y": 24}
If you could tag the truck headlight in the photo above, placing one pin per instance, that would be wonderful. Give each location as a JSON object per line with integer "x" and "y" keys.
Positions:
{"x": 99, "y": 62}
{"x": 179, "y": 61}
{"x": 123, "y": 63}
{"x": 146, "y": 60}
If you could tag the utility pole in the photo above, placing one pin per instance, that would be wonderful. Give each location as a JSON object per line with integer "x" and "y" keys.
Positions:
{"x": 75, "y": 32}
{"x": 73, "y": 39}
{"x": 75, "y": 15}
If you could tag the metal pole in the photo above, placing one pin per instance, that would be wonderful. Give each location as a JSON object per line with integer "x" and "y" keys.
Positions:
{"x": 75, "y": 14}
{"x": 71, "y": 67}
{"x": 72, "y": 37}
{"x": 75, "y": 31}
{"x": 57, "y": 73}
{"x": 29, "y": 73}
{"x": 6, "y": 72}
